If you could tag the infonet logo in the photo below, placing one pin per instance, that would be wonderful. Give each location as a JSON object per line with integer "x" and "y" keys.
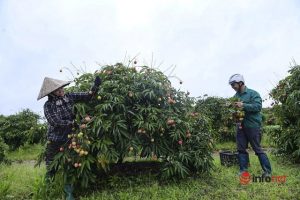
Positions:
{"x": 246, "y": 178}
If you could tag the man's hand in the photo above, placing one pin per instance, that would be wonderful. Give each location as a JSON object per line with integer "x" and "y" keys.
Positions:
{"x": 238, "y": 104}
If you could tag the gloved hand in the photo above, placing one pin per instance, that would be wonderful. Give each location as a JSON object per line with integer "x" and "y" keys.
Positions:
{"x": 97, "y": 83}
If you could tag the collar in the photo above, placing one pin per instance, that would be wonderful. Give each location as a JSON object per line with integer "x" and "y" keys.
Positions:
{"x": 245, "y": 91}
{"x": 59, "y": 100}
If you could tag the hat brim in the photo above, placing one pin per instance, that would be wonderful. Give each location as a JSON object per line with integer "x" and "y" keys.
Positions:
{"x": 50, "y": 85}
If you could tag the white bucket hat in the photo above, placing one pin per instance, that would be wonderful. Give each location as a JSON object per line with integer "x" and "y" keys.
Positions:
{"x": 50, "y": 85}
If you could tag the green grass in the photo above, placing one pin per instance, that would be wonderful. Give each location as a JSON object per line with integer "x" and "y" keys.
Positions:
{"x": 223, "y": 184}
{"x": 21, "y": 180}
{"x": 26, "y": 152}
{"x": 226, "y": 146}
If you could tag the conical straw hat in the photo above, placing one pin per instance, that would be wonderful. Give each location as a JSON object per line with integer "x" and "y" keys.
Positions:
{"x": 49, "y": 85}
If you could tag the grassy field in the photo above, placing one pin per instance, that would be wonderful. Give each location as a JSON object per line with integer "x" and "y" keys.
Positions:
{"x": 26, "y": 153}
{"x": 21, "y": 180}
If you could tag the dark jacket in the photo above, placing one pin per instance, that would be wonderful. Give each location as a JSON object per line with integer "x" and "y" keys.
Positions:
{"x": 252, "y": 105}
{"x": 59, "y": 114}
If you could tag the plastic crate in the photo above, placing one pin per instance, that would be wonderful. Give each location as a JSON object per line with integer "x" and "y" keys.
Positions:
{"x": 229, "y": 158}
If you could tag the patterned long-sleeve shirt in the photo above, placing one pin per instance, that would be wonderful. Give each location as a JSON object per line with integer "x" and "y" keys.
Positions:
{"x": 59, "y": 114}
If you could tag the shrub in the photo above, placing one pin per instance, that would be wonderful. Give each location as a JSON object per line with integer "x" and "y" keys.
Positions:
{"x": 3, "y": 149}
{"x": 286, "y": 97}
{"x": 221, "y": 117}
{"x": 20, "y": 128}
{"x": 136, "y": 113}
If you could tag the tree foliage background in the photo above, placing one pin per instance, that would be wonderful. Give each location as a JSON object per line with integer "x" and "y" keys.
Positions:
{"x": 286, "y": 96}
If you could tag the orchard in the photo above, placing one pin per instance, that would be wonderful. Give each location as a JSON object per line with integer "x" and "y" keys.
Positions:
{"x": 139, "y": 132}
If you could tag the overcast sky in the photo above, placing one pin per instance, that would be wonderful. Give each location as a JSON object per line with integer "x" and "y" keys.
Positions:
{"x": 207, "y": 41}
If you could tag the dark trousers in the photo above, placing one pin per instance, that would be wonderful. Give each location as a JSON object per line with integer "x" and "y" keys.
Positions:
{"x": 51, "y": 150}
{"x": 253, "y": 136}
{"x": 249, "y": 135}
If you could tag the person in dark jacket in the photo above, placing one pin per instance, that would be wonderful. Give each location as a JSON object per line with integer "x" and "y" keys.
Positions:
{"x": 58, "y": 111}
{"x": 250, "y": 130}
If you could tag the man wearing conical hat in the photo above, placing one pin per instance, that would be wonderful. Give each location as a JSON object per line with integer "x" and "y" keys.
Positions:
{"x": 58, "y": 111}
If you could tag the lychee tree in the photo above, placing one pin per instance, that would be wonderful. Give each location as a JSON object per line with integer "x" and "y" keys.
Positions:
{"x": 135, "y": 113}
{"x": 20, "y": 128}
{"x": 286, "y": 96}
{"x": 223, "y": 116}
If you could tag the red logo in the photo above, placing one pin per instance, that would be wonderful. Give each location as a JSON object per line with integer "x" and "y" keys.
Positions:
{"x": 245, "y": 178}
